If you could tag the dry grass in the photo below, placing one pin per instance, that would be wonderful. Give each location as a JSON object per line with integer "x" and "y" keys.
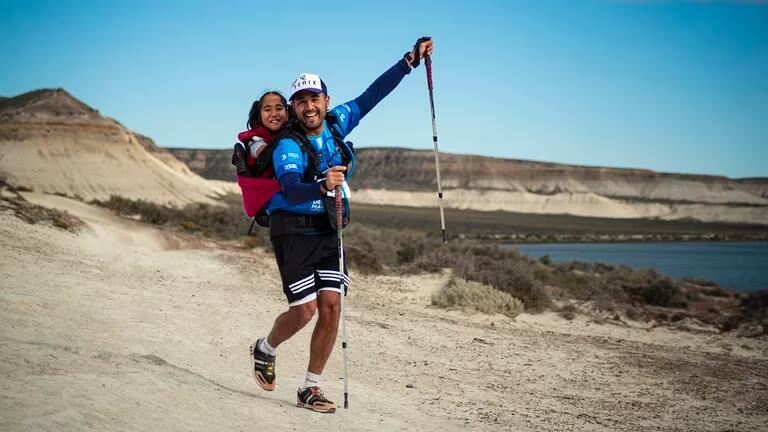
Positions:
{"x": 34, "y": 214}
{"x": 460, "y": 293}
{"x": 219, "y": 222}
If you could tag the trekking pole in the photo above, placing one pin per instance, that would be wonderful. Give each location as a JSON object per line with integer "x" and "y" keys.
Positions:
{"x": 428, "y": 65}
{"x": 339, "y": 223}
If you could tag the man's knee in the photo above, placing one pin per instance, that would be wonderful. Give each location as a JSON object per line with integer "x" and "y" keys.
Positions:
{"x": 304, "y": 313}
{"x": 329, "y": 305}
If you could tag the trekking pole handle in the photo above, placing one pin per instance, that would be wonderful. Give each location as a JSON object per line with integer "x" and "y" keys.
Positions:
{"x": 337, "y": 197}
{"x": 428, "y": 65}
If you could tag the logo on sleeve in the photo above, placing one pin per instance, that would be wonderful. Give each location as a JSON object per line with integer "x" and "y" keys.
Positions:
{"x": 290, "y": 166}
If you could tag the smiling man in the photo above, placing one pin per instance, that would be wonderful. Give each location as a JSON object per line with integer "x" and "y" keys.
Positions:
{"x": 310, "y": 160}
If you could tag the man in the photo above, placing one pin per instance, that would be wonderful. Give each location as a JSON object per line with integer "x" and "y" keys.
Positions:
{"x": 310, "y": 162}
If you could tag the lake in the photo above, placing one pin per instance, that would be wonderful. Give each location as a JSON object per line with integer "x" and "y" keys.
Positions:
{"x": 740, "y": 266}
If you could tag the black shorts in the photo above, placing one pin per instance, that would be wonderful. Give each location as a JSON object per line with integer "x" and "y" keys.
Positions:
{"x": 308, "y": 264}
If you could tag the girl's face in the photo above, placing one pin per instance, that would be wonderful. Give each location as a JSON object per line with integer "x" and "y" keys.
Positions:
{"x": 273, "y": 113}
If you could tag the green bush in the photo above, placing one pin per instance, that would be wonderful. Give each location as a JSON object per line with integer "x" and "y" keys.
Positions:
{"x": 476, "y": 296}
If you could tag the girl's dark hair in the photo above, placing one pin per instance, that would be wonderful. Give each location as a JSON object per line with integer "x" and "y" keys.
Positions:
{"x": 254, "y": 116}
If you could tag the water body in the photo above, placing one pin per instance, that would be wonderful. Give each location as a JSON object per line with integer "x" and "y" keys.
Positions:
{"x": 740, "y": 266}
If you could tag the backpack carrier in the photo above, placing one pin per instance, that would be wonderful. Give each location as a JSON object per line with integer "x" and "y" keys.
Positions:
{"x": 255, "y": 176}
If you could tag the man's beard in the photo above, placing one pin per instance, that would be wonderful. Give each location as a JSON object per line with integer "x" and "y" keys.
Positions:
{"x": 317, "y": 120}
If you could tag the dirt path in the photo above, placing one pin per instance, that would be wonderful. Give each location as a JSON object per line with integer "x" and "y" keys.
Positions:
{"x": 121, "y": 327}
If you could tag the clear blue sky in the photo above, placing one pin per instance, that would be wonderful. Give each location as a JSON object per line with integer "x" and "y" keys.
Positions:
{"x": 678, "y": 86}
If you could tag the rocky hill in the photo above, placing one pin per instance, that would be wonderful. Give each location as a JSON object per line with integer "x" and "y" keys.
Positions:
{"x": 407, "y": 177}
{"x": 53, "y": 143}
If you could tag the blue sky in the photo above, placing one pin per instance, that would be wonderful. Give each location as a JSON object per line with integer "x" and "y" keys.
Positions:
{"x": 677, "y": 86}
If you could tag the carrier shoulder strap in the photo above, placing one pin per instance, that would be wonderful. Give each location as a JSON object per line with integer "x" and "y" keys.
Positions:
{"x": 294, "y": 131}
{"x": 338, "y": 139}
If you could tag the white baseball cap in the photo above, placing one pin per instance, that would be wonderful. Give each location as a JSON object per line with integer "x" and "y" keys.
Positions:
{"x": 308, "y": 82}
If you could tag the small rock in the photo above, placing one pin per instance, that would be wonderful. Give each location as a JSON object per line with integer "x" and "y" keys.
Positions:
{"x": 482, "y": 341}
{"x": 409, "y": 385}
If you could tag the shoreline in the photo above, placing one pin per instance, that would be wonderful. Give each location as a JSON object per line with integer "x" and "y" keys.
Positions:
{"x": 643, "y": 241}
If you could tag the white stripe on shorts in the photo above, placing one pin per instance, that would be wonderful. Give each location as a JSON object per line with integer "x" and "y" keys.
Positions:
{"x": 306, "y": 286}
{"x": 302, "y": 284}
{"x": 331, "y": 275}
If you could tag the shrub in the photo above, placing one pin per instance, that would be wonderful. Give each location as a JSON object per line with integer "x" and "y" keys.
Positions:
{"x": 150, "y": 212}
{"x": 224, "y": 222}
{"x": 568, "y": 312}
{"x": 473, "y": 295}
{"x": 33, "y": 213}
{"x": 663, "y": 293}
{"x": 370, "y": 250}
{"x": 648, "y": 287}
{"x": 755, "y": 303}
{"x": 504, "y": 270}
{"x": 432, "y": 259}
{"x": 753, "y": 312}
{"x": 411, "y": 247}
{"x": 363, "y": 257}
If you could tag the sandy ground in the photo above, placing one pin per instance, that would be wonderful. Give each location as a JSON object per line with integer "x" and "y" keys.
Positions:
{"x": 123, "y": 327}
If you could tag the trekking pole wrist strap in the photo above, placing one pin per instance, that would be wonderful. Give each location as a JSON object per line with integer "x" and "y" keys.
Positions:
{"x": 415, "y": 60}
{"x": 407, "y": 60}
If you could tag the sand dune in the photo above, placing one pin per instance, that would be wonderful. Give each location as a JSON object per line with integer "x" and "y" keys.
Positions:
{"x": 53, "y": 143}
{"x": 123, "y": 327}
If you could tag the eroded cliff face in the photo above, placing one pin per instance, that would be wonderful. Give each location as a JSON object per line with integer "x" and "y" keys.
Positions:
{"x": 416, "y": 171}
{"x": 51, "y": 142}
{"x": 397, "y": 176}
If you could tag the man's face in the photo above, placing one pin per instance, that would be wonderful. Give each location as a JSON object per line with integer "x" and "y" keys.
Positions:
{"x": 310, "y": 109}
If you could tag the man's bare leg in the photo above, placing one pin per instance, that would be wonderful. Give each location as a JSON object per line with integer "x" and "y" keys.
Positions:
{"x": 290, "y": 322}
{"x": 324, "y": 335}
{"x": 286, "y": 325}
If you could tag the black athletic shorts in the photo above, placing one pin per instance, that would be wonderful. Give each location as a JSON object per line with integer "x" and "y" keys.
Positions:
{"x": 308, "y": 264}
